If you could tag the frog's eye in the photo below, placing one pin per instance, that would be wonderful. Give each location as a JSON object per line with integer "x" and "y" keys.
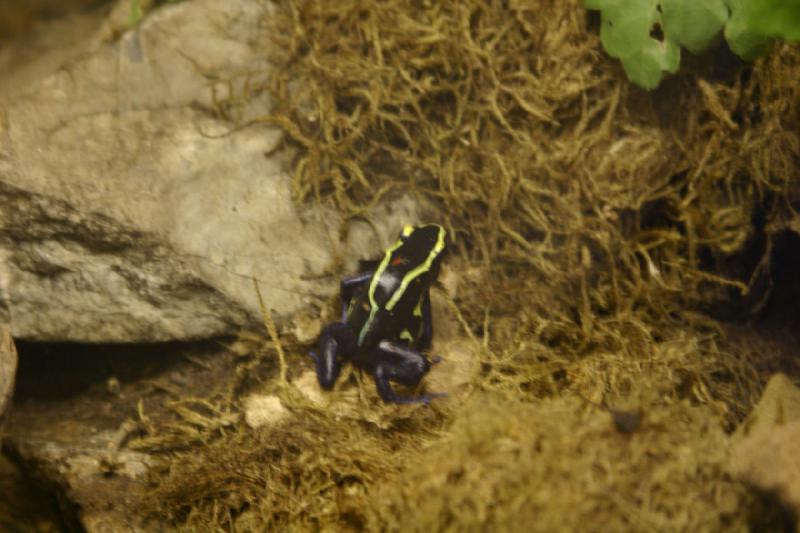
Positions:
{"x": 408, "y": 229}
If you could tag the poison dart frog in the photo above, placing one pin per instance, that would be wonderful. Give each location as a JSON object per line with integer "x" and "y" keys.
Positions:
{"x": 386, "y": 322}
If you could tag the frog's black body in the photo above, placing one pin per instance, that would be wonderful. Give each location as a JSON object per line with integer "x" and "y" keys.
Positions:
{"x": 386, "y": 316}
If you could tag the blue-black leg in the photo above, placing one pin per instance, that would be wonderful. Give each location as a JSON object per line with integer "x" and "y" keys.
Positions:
{"x": 426, "y": 337}
{"x": 336, "y": 340}
{"x": 403, "y": 365}
{"x": 348, "y": 286}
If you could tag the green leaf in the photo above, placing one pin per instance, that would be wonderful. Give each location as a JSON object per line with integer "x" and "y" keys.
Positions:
{"x": 645, "y": 65}
{"x": 631, "y": 30}
{"x": 626, "y": 28}
{"x": 694, "y": 23}
{"x": 647, "y": 35}
{"x": 776, "y": 18}
{"x": 740, "y": 34}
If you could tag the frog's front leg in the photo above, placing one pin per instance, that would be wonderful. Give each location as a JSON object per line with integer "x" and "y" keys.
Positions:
{"x": 336, "y": 340}
{"x": 404, "y": 365}
{"x": 427, "y": 324}
{"x": 348, "y": 286}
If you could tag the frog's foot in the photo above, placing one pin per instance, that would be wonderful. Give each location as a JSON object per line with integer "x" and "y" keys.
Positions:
{"x": 423, "y": 398}
{"x": 404, "y": 365}
{"x": 388, "y": 394}
{"x": 336, "y": 340}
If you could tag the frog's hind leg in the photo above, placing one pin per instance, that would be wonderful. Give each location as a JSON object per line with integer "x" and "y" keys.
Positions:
{"x": 348, "y": 286}
{"x": 335, "y": 340}
{"x": 403, "y": 365}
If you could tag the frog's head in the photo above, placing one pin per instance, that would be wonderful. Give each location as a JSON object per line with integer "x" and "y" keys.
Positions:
{"x": 420, "y": 251}
{"x": 408, "y": 268}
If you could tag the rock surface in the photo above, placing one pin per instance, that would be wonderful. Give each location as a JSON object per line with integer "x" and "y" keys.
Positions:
{"x": 764, "y": 453}
{"x": 8, "y": 370}
{"x": 130, "y": 212}
{"x": 96, "y": 495}
{"x": 779, "y": 404}
{"x": 769, "y": 460}
{"x": 263, "y": 410}
{"x": 73, "y": 431}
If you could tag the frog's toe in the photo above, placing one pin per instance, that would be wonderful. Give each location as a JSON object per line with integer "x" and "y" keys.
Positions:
{"x": 433, "y": 395}
{"x": 423, "y": 398}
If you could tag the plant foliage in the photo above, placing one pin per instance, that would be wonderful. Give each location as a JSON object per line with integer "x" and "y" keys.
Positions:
{"x": 647, "y": 35}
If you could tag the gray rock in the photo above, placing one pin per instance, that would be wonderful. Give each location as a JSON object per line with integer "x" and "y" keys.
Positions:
{"x": 94, "y": 494}
{"x": 128, "y": 211}
{"x": 93, "y": 440}
{"x": 8, "y": 370}
{"x": 764, "y": 447}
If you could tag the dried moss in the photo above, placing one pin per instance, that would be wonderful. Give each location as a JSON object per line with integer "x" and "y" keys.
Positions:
{"x": 560, "y": 465}
{"x": 547, "y": 166}
{"x": 306, "y": 474}
{"x": 593, "y": 225}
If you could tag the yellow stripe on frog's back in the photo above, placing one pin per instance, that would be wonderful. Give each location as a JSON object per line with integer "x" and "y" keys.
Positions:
{"x": 373, "y": 286}
{"x": 415, "y": 273}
